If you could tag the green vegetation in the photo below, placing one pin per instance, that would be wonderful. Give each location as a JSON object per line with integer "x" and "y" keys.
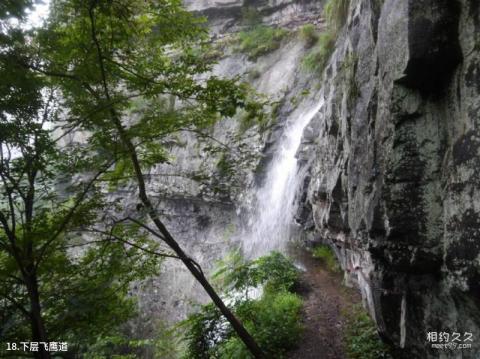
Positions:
{"x": 64, "y": 276}
{"x": 349, "y": 68}
{"x": 225, "y": 166}
{"x": 317, "y": 58}
{"x": 325, "y": 254}
{"x": 308, "y": 34}
{"x": 361, "y": 339}
{"x": 273, "y": 319}
{"x": 167, "y": 344}
{"x": 68, "y": 258}
{"x": 275, "y": 272}
{"x": 247, "y": 121}
{"x": 335, "y": 12}
{"x": 260, "y": 40}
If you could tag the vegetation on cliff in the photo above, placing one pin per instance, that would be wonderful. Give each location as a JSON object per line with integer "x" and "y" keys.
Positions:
{"x": 322, "y": 43}
{"x": 260, "y": 40}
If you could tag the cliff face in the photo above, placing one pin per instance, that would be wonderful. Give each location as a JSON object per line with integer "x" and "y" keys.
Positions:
{"x": 200, "y": 197}
{"x": 393, "y": 159}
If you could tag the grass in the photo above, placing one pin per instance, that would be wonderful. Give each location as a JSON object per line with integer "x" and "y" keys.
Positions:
{"x": 322, "y": 45}
{"x": 308, "y": 34}
{"x": 260, "y": 40}
{"x": 326, "y": 255}
{"x": 317, "y": 58}
{"x": 361, "y": 338}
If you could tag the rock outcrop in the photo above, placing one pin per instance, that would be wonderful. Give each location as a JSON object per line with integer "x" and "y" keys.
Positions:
{"x": 393, "y": 157}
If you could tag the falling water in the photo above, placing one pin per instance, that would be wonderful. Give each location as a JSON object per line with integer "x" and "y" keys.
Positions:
{"x": 271, "y": 219}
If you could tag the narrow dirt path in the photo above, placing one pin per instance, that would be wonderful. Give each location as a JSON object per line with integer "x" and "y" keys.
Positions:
{"x": 325, "y": 300}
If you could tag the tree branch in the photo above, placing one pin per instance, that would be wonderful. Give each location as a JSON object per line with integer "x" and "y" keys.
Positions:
{"x": 80, "y": 197}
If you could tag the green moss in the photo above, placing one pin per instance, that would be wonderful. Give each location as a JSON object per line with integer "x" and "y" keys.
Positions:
{"x": 326, "y": 255}
{"x": 361, "y": 338}
{"x": 260, "y": 40}
{"x": 294, "y": 101}
{"x": 254, "y": 74}
{"x": 305, "y": 92}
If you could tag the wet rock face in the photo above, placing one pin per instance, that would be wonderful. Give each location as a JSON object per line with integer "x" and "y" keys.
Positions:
{"x": 393, "y": 166}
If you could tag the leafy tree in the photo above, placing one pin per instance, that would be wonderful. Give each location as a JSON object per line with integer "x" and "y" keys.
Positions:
{"x": 14, "y": 8}
{"x": 56, "y": 284}
{"x": 103, "y": 54}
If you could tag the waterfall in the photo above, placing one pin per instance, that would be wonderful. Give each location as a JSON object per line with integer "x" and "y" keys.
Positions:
{"x": 269, "y": 224}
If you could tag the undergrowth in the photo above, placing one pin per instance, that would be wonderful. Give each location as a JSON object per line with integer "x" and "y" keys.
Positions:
{"x": 326, "y": 255}
{"x": 272, "y": 318}
{"x": 361, "y": 338}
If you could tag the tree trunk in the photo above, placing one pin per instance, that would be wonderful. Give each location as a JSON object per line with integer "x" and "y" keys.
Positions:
{"x": 39, "y": 333}
{"x": 243, "y": 334}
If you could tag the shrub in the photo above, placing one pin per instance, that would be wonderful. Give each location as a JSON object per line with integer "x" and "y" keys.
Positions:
{"x": 204, "y": 333}
{"x": 327, "y": 256}
{"x": 274, "y": 322}
{"x": 309, "y": 35}
{"x": 260, "y": 40}
{"x": 166, "y": 344}
{"x": 273, "y": 319}
{"x": 274, "y": 272}
{"x": 317, "y": 57}
{"x": 361, "y": 338}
